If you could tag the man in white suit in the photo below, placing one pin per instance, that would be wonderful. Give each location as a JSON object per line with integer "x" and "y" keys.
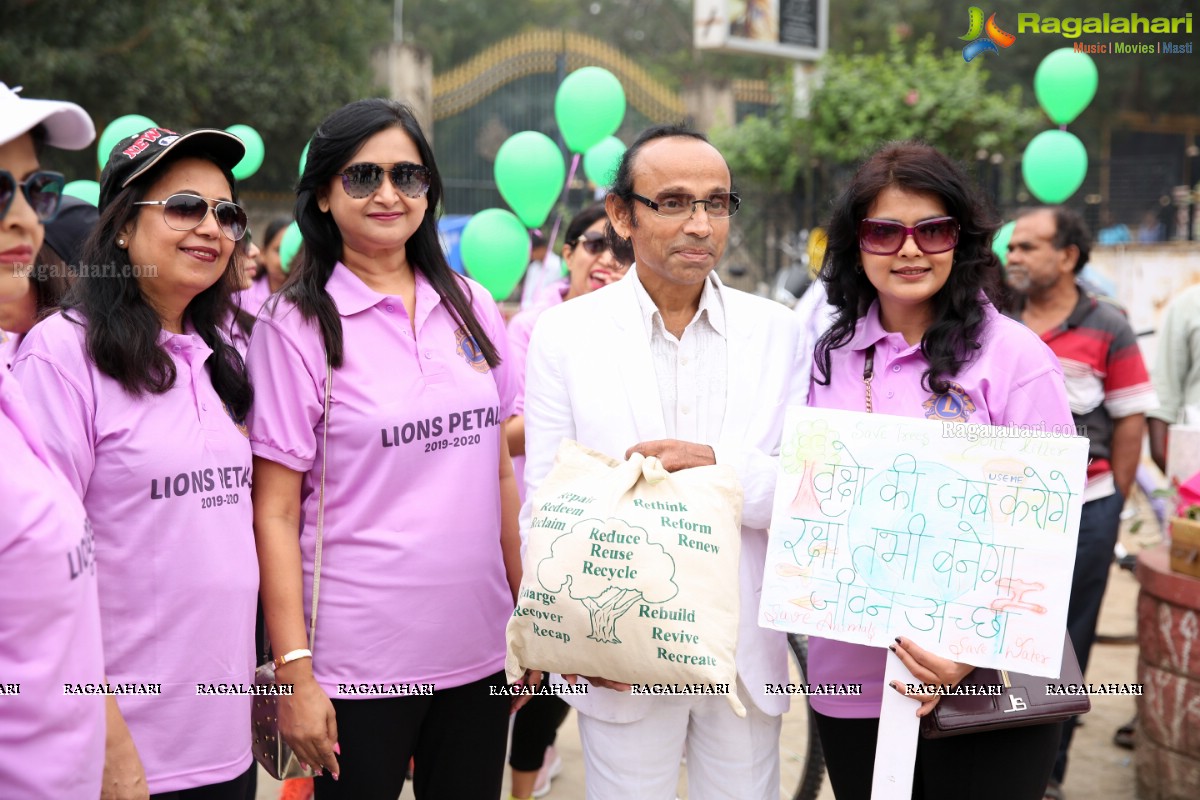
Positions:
{"x": 671, "y": 363}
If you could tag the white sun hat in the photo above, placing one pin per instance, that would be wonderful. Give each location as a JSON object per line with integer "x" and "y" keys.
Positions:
{"x": 67, "y": 125}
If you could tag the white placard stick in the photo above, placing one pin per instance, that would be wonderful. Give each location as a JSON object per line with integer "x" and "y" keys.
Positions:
{"x": 899, "y": 729}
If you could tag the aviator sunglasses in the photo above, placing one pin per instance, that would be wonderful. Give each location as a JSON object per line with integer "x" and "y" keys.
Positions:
{"x": 883, "y": 237}
{"x": 363, "y": 180}
{"x": 185, "y": 212}
{"x": 43, "y": 191}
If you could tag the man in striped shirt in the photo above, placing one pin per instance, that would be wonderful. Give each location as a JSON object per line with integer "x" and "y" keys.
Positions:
{"x": 1108, "y": 388}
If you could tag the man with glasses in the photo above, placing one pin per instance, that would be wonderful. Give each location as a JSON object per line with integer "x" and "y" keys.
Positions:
{"x": 670, "y": 362}
{"x": 1109, "y": 390}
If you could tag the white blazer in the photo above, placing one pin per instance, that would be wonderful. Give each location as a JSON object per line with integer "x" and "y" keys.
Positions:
{"x": 590, "y": 377}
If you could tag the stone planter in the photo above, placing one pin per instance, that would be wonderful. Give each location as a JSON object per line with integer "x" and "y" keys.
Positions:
{"x": 1168, "y": 737}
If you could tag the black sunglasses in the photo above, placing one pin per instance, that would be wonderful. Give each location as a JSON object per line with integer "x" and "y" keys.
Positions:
{"x": 42, "y": 189}
{"x": 363, "y": 180}
{"x": 594, "y": 243}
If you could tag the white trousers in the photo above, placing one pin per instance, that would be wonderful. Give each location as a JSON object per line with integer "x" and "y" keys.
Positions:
{"x": 728, "y": 758}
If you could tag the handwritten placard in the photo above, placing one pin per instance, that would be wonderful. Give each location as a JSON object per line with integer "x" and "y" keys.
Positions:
{"x": 961, "y": 537}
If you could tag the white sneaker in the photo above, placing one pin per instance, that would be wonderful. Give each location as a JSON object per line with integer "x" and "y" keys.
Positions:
{"x": 552, "y": 767}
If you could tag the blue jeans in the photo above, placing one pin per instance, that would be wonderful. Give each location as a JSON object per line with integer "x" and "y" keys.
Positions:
{"x": 1098, "y": 527}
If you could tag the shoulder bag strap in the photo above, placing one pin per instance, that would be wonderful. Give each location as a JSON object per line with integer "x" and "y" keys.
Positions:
{"x": 868, "y": 373}
{"x": 312, "y": 631}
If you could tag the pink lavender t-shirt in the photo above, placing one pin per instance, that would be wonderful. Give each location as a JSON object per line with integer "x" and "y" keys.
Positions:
{"x": 165, "y": 480}
{"x": 51, "y": 743}
{"x": 520, "y": 328}
{"x": 1014, "y": 380}
{"x": 413, "y": 586}
{"x": 251, "y": 299}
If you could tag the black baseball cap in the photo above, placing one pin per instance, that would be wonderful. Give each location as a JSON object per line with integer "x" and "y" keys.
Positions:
{"x": 133, "y": 155}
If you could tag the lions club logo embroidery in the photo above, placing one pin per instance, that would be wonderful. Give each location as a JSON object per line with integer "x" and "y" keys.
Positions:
{"x": 955, "y": 405}
{"x": 468, "y": 348}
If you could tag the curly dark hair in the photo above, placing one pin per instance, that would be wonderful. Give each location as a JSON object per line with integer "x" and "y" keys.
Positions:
{"x": 953, "y": 338}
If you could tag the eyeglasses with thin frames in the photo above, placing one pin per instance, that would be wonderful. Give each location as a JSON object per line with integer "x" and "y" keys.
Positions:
{"x": 718, "y": 205}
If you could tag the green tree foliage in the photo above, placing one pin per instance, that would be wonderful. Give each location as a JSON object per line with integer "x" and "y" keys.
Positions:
{"x": 767, "y": 151}
{"x": 1149, "y": 84}
{"x": 655, "y": 33}
{"x": 277, "y": 65}
{"x": 869, "y": 98}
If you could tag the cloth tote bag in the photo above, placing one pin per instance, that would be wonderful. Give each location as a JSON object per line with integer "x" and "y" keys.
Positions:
{"x": 631, "y": 574}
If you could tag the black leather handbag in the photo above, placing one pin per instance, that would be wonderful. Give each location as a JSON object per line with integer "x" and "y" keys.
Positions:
{"x": 1022, "y": 700}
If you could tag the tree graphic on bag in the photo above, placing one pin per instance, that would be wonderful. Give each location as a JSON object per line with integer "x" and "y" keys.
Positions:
{"x": 607, "y": 591}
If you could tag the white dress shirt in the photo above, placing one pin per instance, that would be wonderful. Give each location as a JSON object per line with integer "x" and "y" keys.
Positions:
{"x": 692, "y": 370}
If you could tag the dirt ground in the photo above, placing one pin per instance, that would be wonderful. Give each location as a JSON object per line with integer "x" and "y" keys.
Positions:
{"x": 1098, "y": 769}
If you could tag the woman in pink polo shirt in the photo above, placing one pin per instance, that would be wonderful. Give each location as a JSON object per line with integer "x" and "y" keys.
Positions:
{"x": 141, "y": 400}
{"x": 420, "y": 557}
{"x": 32, "y": 278}
{"x": 51, "y": 742}
{"x": 910, "y": 271}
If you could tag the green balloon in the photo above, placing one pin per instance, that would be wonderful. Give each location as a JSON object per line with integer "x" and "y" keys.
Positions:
{"x": 118, "y": 129}
{"x": 87, "y": 191}
{"x": 1054, "y": 165}
{"x": 254, "y": 151}
{"x": 601, "y": 160}
{"x": 289, "y": 247}
{"x": 530, "y": 173}
{"x": 1000, "y": 241}
{"x": 304, "y": 156}
{"x": 589, "y": 105}
{"x": 495, "y": 250}
{"x": 1065, "y": 82}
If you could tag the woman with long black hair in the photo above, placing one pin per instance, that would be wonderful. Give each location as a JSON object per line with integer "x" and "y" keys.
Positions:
{"x": 910, "y": 271}
{"x": 407, "y": 480}
{"x": 141, "y": 401}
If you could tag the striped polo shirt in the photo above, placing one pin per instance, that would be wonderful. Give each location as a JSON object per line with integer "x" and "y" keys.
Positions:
{"x": 1105, "y": 376}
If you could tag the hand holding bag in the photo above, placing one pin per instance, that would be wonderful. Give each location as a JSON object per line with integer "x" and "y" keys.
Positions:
{"x": 270, "y": 750}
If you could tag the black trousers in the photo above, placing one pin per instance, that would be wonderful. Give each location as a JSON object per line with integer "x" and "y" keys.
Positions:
{"x": 1010, "y": 764}
{"x": 535, "y": 729}
{"x": 456, "y": 736}
{"x": 240, "y": 788}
